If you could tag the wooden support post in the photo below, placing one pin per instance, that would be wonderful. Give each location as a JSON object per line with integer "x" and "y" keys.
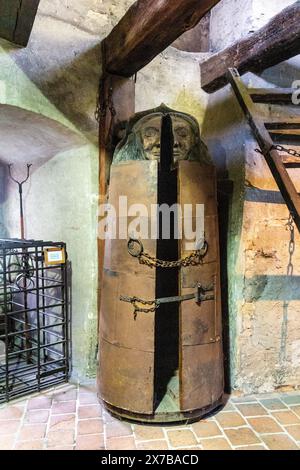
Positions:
{"x": 279, "y": 40}
{"x": 16, "y": 20}
{"x": 148, "y": 27}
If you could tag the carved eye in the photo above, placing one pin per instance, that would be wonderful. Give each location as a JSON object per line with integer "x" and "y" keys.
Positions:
{"x": 182, "y": 131}
{"x": 151, "y": 132}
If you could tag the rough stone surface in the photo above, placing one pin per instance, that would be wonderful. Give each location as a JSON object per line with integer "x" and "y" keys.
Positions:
{"x": 264, "y": 294}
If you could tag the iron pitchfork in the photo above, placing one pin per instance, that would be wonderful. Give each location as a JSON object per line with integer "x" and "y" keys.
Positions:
{"x": 25, "y": 257}
{"x": 20, "y": 185}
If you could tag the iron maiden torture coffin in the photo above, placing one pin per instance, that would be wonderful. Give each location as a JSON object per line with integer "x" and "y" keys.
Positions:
{"x": 161, "y": 356}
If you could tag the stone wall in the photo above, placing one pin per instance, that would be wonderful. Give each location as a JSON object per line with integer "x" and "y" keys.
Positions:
{"x": 264, "y": 291}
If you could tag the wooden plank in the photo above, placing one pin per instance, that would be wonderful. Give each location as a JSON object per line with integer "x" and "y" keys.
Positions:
{"x": 286, "y": 123}
{"x": 16, "y": 20}
{"x": 272, "y": 95}
{"x": 279, "y": 40}
{"x": 148, "y": 27}
{"x": 273, "y": 157}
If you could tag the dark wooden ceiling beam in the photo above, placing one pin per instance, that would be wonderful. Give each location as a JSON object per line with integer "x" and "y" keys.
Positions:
{"x": 147, "y": 28}
{"x": 279, "y": 40}
{"x": 16, "y": 20}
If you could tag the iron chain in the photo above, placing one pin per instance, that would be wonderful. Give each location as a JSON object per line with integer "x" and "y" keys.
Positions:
{"x": 194, "y": 259}
{"x": 292, "y": 152}
{"x": 290, "y": 226}
{"x": 280, "y": 148}
{"x": 136, "y": 300}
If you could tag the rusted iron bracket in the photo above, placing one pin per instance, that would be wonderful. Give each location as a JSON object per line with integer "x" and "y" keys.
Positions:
{"x": 200, "y": 295}
{"x": 261, "y": 130}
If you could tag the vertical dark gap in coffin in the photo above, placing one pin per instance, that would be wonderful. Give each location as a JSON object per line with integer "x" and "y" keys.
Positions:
{"x": 167, "y": 315}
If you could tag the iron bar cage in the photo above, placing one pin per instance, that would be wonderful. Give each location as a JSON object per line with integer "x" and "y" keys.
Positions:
{"x": 34, "y": 318}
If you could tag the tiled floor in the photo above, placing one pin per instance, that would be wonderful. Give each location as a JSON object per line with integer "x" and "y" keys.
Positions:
{"x": 70, "y": 417}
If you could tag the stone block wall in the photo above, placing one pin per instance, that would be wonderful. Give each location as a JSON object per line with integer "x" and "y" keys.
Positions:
{"x": 264, "y": 290}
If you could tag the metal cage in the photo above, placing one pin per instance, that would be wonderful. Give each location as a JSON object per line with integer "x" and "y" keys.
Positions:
{"x": 34, "y": 318}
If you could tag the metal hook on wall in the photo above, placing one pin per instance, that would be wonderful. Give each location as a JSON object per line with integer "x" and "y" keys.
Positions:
{"x": 20, "y": 186}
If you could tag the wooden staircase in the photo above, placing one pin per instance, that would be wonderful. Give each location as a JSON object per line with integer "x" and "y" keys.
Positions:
{"x": 278, "y": 158}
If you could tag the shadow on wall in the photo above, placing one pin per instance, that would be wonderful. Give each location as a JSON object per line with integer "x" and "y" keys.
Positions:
{"x": 31, "y": 137}
{"x": 224, "y": 130}
{"x": 71, "y": 86}
{"x": 284, "y": 74}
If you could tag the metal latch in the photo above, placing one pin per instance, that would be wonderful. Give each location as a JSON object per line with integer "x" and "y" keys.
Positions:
{"x": 200, "y": 295}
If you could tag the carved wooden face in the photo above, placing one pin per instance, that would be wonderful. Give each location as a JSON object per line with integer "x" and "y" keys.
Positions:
{"x": 184, "y": 138}
{"x": 150, "y": 135}
{"x": 143, "y": 139}
{"x": 150, "y": 131}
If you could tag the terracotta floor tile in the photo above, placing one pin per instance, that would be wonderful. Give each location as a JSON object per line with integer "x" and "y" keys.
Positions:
{"x": 11, "y": 412}
{"x": 59, "y": 422}
{"x": 61, "y": 448}
{"x": 88, "y": 399}
{"x": 296, "y": 409}
{"x": 37, "y": 416}
{"x": 181, "y": 438}
{"x": 90, "y": 426}
{"x": 31, "y": 432}
{"x": 68, "y": 395}
{"x": 264, "y": 425}
{"x": 216, "y": 443}
{"x": 89, "y": 411}
{"x": 6, "y": 442}
{"x": 273, "y": 404}
{"x": 228, "y": 407}
{"x": 291, "y": 399}
{"x": 266, "y": 415}
{"x": 88, "y": 388}
{"x": 63, "y": 407}
{"x": 206, "y": 429}
{"x": 252, "y": 409}
{"x": 9, "y": 426}
{"x": 118, "y": 429}
{"x": 294, "y": 431}
{"x": 146, "y": 433}
{"x": 57, "y": 438}
{"x": 108, "y": 418}
{"x": 286, "y": 417}
{"x": 241, "y": 436}
{"x": 246, "y": 399}
{"x": 153, "y": 445}
{"x": 279, "y": 442}
{"x": 230, "y": 420}
{"x": 39, "y": 403}
{"x": 30, "y": 445}
{"x": 120, "y": 443}
{"x": 90, "y": 442}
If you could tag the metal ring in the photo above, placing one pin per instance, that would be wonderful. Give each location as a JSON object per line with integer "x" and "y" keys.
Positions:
{"x": 204, "y": 248}
{"x": 133, "y": 250}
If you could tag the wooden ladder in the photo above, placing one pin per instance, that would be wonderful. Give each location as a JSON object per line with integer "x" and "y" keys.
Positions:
{"x": 263, "y": 130}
